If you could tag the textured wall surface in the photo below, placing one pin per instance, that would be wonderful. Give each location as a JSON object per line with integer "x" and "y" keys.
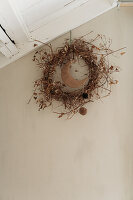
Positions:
{"x": 90, "y": 157}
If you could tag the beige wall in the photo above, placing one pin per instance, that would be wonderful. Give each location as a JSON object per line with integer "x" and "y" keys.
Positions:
{"x": 91, "y": 157}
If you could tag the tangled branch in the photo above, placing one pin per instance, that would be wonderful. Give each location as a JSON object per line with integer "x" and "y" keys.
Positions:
{"x": 47, "y": 90}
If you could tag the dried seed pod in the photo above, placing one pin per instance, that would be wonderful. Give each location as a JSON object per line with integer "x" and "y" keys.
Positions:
{"x": 83, "y": 111}
{"x": 85, "y": 95}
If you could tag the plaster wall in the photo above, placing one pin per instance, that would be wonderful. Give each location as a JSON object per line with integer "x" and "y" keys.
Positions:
{"x": 90, "y": 157}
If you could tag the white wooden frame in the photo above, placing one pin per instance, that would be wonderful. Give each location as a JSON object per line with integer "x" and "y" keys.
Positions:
{"x": 77, "y": 15}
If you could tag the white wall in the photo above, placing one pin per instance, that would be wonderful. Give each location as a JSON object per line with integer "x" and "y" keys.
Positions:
{"x": 91, "y": 157}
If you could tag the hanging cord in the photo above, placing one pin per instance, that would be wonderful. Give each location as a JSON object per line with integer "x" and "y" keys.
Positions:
{"x": 70, "y": 38}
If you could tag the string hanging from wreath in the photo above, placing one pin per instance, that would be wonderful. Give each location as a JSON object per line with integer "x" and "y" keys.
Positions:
{"x": 73, "y": 94}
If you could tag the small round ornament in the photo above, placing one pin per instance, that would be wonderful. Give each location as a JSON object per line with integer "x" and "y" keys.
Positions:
{"x": 83, "y": 111}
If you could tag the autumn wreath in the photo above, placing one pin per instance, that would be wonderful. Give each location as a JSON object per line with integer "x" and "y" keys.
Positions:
{"x": 95, "y": 85}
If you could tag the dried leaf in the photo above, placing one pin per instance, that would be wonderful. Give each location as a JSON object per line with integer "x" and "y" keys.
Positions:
{"x": 122, "y": 53}
{"x": 35, "y": 45}
{"x": 61, "y": 115}
{"x": 111, "y": 67}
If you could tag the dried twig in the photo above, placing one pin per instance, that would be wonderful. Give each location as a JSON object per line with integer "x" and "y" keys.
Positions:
{"x": 100, "y": 80}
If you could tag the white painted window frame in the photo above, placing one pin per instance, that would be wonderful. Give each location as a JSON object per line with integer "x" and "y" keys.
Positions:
{"x": 18, "y": 31}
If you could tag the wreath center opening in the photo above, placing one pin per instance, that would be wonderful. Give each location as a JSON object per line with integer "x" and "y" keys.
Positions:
{"x": 74, "y": 74}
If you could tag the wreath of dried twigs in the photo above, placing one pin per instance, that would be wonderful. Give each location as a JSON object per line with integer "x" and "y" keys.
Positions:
{"x": 47, "y": 90}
